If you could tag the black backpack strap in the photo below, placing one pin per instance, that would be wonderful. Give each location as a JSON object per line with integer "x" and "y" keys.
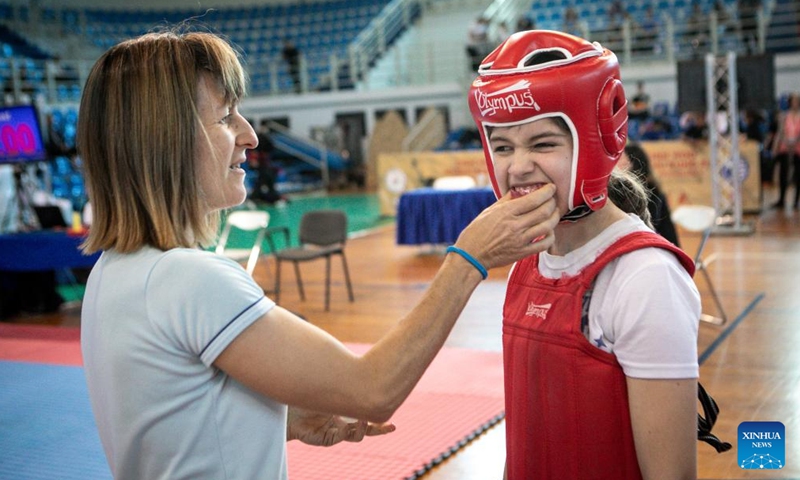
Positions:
{"x": 705, "y": 424}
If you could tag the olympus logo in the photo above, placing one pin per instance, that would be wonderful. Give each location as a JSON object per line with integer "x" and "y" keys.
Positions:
{"x": 514, "y": 97}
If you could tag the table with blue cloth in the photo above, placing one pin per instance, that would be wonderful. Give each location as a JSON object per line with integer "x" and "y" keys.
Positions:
{"x": 430, "y": 216}
{"x": 28, "y": 262}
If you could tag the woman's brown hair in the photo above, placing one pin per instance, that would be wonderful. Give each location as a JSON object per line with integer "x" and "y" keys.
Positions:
{"x": 137, "y": 133}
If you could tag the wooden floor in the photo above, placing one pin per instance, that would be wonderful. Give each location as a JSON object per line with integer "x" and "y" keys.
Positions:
{"x": 751, "y": 365}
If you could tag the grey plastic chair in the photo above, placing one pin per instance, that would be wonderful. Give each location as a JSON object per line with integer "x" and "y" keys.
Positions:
{"x": 322, "y": 234}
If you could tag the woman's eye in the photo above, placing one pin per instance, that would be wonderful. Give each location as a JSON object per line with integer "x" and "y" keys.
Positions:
{"x": 502, "y": 149}
{"x": 226, "y": 119}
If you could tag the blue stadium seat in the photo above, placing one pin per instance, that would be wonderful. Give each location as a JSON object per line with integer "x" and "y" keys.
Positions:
{"x": 259, "y": 30}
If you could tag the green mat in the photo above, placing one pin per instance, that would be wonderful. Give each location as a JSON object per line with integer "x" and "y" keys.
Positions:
{"x": 363, "y": 213}
{"x": 71, "y": 293}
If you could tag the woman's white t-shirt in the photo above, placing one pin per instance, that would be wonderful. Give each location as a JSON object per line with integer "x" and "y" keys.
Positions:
{"x": 152, "y": 325}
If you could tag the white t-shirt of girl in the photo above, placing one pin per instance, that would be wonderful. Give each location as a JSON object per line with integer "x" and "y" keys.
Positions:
{"x": 645, "y": 309}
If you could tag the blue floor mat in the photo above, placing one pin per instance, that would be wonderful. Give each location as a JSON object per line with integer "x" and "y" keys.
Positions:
{"x": 47, "y": 430}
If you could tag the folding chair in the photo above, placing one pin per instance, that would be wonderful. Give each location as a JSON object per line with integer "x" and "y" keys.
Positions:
{"x": 701, "y": 218}
{"x": 253, "y": 221}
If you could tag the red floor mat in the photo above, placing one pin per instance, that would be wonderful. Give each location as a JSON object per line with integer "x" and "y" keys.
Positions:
{"x": 40, "y": 344}
{"x": 459, "y": 397}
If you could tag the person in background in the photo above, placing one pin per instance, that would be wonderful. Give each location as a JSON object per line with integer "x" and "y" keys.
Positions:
{"x": 648, "y": 32}
{"x": 500, "y": 33}
{"x": 786, "y": 151}
{"x": 260, "y": 159}
{"x": 724, "y": 21}
{"x": 478, "y": 41}
{"x": 754, "y": 126}
{"x": 599, "y": 331}
{"x": 616, "y": 14}
{"x": 748, "y": 23}
{"x": 639, "y": 107}
{"x": 571, "y": 23}
{"x": 56, "y": 144}
{"x": 192, "y": 372}
{"x": 8, "y": 200}
{"x": 525, "y": 22}
{"x": 615, "y": 17}
{"x": 291, "y": 55}
{"x": 635, "y": 159}
{"x": 696, "y": 30}
{"x": 693, "y": 125}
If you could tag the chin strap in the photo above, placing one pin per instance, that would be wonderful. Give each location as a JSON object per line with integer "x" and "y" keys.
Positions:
{"x": 576, "y": 213}
{"x": 705, "y": 424}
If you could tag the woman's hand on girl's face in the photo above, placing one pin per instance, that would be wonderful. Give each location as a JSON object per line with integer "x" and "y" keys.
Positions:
{"x": 512, "y": 229}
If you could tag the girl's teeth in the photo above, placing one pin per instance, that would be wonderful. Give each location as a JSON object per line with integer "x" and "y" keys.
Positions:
{"x": 527, "y": 190}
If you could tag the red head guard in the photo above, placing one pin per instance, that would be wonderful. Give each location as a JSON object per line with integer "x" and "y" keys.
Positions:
{"x": 538, "y": 74}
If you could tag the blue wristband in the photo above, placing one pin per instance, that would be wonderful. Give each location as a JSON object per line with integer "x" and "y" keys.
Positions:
{"x": 470, "y": 259}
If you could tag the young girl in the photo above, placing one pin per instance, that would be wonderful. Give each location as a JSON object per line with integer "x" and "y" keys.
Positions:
{"x": 599, "y": 331}
{"x": 192, "y": 372}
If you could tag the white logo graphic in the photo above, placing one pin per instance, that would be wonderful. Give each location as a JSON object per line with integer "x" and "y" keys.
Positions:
{"x": 538, "y": 310}
{"x": 396, "y": 180}
{"x": 514, "y": 97}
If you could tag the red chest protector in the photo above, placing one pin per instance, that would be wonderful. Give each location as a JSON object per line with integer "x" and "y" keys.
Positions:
{"x": 567, "y": 413}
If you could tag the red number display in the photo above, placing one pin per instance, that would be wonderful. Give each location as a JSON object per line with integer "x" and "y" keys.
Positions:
{"x": 19, "y": 140}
